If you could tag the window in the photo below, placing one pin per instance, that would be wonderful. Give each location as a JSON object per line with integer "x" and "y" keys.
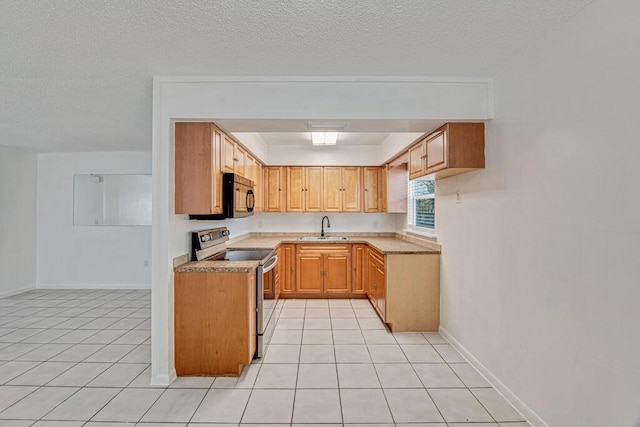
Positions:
{"x": 421, "y": 212}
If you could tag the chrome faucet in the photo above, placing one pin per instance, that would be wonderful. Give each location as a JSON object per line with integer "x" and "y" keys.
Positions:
{"x": 322, "y": 226}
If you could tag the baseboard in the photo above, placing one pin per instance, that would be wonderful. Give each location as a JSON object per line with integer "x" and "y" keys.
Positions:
{"x": 524, "y": 410}
{"x": 96, "y": 286}
{"x": 15, "y": 292}
{"x": 163, "y": 379}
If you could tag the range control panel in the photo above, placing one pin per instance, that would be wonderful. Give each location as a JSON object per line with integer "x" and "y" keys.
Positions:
{"x": 204, "y": 239}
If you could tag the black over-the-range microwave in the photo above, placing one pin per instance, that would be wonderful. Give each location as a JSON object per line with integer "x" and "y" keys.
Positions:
{"x": 238, "y": 199}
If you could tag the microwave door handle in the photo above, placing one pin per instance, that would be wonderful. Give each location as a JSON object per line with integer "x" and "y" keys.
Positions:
{"x": 271, "y": 264}
{"x": 253, "y": 201}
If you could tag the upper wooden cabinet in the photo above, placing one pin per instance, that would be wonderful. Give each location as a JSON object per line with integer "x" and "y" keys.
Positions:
{"x": 304, "y": 189}
{"x": 453, "y": 149}
{"x": 395, "y": 182}
{"x": 373, "y": 194}
{"x": 198, "y": 168}
{"x": 228, "y": 153}
{"x": 239, "y": 157}
{"x": 273, "y": 188}
{"x": 342, "y": 189}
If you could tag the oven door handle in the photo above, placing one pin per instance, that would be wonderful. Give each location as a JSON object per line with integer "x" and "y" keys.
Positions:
{"x": 271, "y": 264}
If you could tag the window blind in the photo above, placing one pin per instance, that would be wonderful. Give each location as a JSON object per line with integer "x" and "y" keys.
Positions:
{"x": 421, "y": 204}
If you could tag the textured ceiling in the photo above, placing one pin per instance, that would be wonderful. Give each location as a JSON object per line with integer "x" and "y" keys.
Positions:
{"x": 77, "y": 74}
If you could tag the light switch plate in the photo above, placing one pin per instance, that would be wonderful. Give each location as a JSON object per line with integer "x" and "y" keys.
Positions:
{"x": 179, "y": 260}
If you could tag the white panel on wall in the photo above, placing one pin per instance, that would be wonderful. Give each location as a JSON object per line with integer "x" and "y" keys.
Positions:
{"x": 88, "y": 256}
{"x": 18, "y": 200}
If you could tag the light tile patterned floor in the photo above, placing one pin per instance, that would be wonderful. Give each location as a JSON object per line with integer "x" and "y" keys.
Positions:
{"x": 81, "y": 358}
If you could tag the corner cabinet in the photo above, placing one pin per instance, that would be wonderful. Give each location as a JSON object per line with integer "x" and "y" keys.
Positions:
{"x": 453, "y": 149}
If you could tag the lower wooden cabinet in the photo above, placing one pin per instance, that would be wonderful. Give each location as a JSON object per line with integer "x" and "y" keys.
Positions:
{"x": 215, "y": 322}
{"x": 323, "y": 269}
{"x": 404, "y": 289}
{"x": 377, "y": 281}
{"x": 359, "y": 262}
{"x": 287, "y": 261}
{"x": 407, "y": 295}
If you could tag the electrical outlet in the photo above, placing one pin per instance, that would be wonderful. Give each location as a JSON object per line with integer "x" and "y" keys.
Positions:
{"x": 458, "y": 198}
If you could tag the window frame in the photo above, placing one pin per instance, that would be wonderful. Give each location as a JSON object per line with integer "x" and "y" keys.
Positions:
{"x": 416, "y": 229}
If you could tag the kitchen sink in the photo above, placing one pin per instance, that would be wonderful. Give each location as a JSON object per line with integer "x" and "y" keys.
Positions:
{"x": 322, "y": 238}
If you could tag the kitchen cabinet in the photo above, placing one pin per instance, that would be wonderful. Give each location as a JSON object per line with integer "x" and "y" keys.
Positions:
{"x": 228, "y": 155}
{"x": 373, "y": 191}
{"x": 396, "y": 180}
{"x": 359, "y": 258}
{"x": 323, "y": 268}
{"x": 453, "y": 149}
{"x": 240, "y": 160}
{"x": 215, "y": 322}
{"x": 342, "y": 189}
{"x": 405, "y": 290}
{"x": 304, "y": 189}
{"x": 273, "y": 188}
{"x": 198, "y": 168}
{"x": 287, "y": 260}
{"x": 257, "y": 187}
{"x": 377, "y": 281}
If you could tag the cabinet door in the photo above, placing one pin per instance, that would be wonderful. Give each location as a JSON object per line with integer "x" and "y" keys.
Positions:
{"x": 416, "y": 161}
{"x": 240, "y": 160}
{"x": 372, "y": 189}
{"x": 309, "y": 272}
{"x": 288, "y": 259}
{"x": 228, "y": 153}
{"x": 250, "y": 167}
{"x": 216, "y": 188}
{"x": 351, "y": 185}
{"x": 359, "y": 263}
{"x": 295, "y": 189}
{"x": 381, "y": 289}
{"x": 257, "y": 188}
{"x": 332, "y": 189}
{"x": 370, "y": 277}
{"x": 337, "y": 272}
{"x": 436, "y": 152}
{"x": 313, "y": 189}
{"x": 272, "y": 187}
{"x": 198, "y": 183}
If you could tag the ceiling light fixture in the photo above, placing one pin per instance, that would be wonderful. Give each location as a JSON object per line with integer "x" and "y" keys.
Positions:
{"x": 325, "y": 133}
{"x": 324, "y": 138}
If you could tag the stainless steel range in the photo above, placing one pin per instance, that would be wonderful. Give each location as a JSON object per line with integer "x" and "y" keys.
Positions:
{"x": 211, "y": 245}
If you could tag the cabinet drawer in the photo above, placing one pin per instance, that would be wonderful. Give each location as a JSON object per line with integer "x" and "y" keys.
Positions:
{"x": 323, "y": 248}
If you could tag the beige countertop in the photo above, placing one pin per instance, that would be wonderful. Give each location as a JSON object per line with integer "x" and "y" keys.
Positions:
{"x": 385, "y": 243}
{"x": 221, "y": 266}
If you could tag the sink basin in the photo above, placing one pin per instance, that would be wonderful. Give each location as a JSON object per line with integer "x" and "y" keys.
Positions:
{"x": 322, "y": 239}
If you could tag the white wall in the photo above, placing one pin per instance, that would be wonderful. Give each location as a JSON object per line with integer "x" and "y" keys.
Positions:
{"x": 88, "y": 256}
{"x": 310, "y": 222}
{"x": 540, "y": 279}
{"x": 18, "y": 199}
{"x": 339, "y": 155}
{"x": 273, "y": 98}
